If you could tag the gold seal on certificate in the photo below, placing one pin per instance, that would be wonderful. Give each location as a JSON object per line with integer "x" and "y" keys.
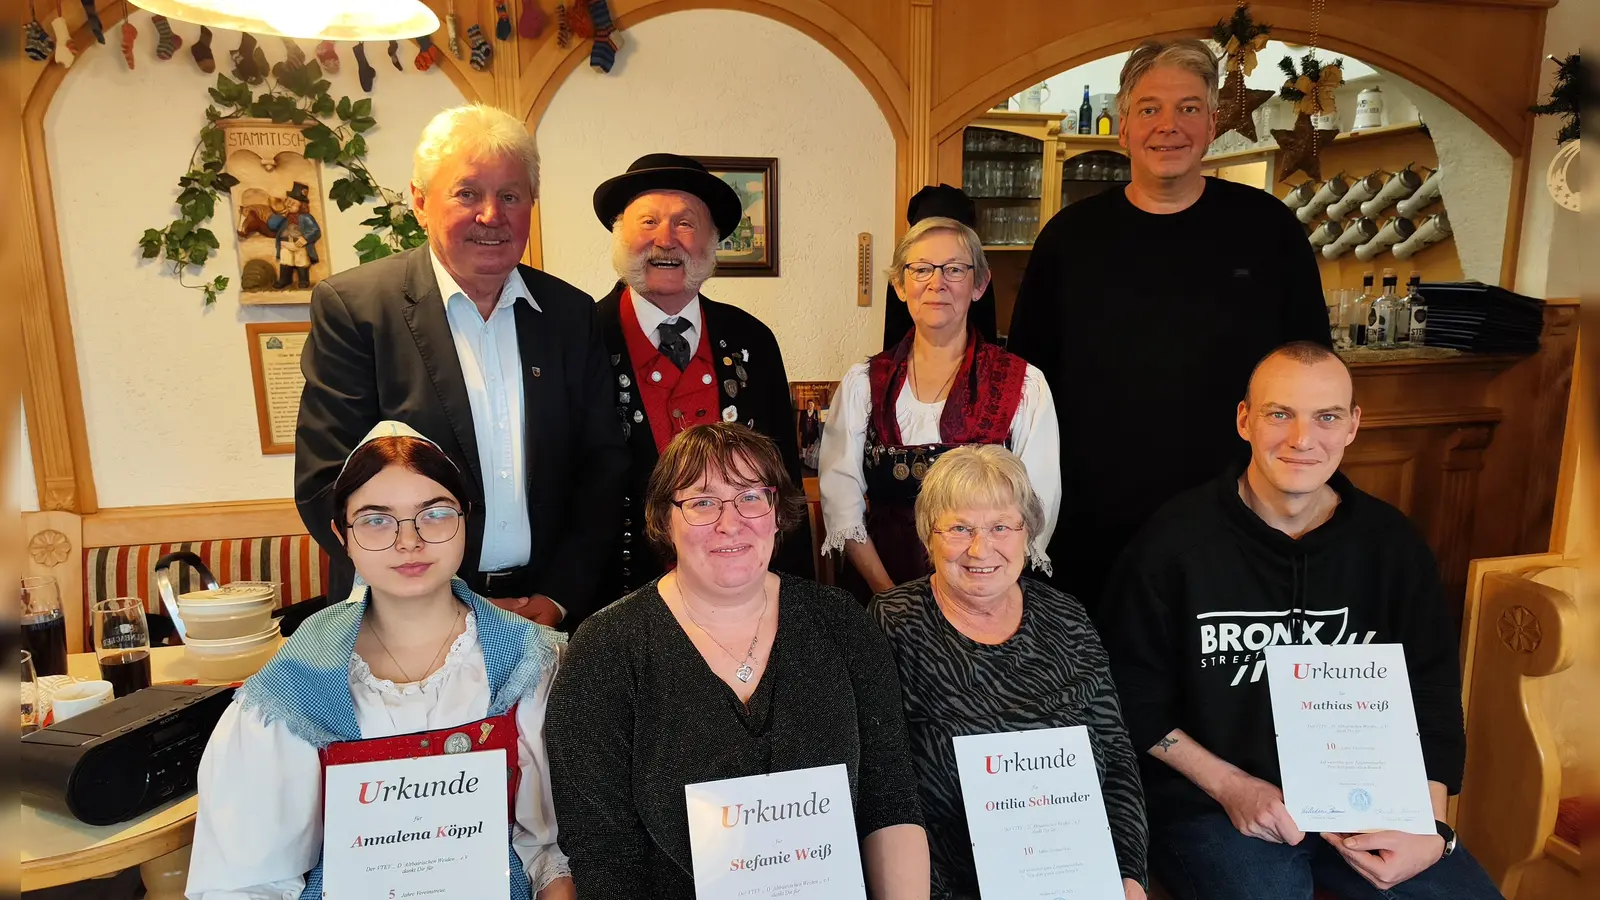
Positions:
{"x": 1348, "y": 749}
{"x": 788, "y": 834}
{"x": 1037, "y": 816}
{"x": 433, "y": 827}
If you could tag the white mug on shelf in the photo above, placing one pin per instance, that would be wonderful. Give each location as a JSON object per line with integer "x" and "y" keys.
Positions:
{"x": 1331, "y": 191}
{"x": 1032, "y": 99}
{"x": 1398, "y": 229}
{"x": 1369, "y": 109}
{"x": 1425, "y": 195}
{"x": 1400, "y": 185}
{"x": 1434, "y": 230}
{"x": 1360, "y": 192}
{"x": 1358, "y": 232}
{"x": 79, "y": 697}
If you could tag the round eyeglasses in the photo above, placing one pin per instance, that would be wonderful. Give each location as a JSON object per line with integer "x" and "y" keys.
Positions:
{"x": 958, "y": 536}
{"x": 380, "y": 531}
{"x": 952, "y": 271}
{"x": 752, "y": 504}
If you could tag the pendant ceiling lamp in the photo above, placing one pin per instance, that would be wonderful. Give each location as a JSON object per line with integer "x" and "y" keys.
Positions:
{"x": 330, "y": 20}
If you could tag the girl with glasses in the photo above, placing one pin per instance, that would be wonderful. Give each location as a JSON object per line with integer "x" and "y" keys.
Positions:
{"x": 418, "y": 665}
{"x": 943, "y": 386}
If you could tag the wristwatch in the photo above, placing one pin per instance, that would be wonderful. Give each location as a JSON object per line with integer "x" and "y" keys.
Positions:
{"x": 1449, "y": 835}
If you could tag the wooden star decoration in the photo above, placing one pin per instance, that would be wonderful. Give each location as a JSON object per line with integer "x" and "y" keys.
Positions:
{"x": 1301, "y": 149}
{"x": 1237, "y": 105}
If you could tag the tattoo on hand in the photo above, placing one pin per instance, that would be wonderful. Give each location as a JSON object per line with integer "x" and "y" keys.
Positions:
{"x": 1166, "y": 743}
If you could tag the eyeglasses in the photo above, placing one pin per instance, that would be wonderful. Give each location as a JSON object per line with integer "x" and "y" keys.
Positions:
{"x": 752, "y": 504}
{"x": 952, "y": 271}
{"x": 380, "y": 531}
{"x": 961, "y": 536}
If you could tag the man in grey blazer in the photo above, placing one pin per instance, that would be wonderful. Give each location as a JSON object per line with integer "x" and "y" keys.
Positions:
{"x": 501, "y": 364}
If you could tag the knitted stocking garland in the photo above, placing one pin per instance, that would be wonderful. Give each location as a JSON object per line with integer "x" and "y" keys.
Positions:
{"x": 603, "y": 55}
{"x": 532, "y": 21}
{"x": 201, "y": 51}
{"x": 481, "y": 51}
{"x": 94, "y": 21}
{"x": 429, "y": 54}
{"x": 364, "y": 70}
{"x": 39, "y": 44}
{"x": 167, "y": 42}
{"x": 502, "y": 21}
{"x": 328, "y": 56}
{"x": 563, "y": 27}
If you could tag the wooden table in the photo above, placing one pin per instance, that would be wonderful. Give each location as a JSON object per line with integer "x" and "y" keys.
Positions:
{"x": 58, "y": 849}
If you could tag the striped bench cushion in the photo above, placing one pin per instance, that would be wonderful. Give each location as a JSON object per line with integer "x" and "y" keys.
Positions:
{"x": 294, "y": 561}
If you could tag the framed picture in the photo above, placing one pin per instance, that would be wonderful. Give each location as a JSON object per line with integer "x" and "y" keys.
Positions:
{"x": 275, "y": 371}
{"x": 752, "y": 249}
{"x": 811, "y": 399}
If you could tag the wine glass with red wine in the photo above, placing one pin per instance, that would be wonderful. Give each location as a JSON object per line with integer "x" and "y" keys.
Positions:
{"x": 44, "y": 625}
{"x": 122, "y": 644}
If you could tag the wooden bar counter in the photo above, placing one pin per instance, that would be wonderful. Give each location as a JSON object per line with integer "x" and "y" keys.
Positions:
{"x": 1468, "y": 446}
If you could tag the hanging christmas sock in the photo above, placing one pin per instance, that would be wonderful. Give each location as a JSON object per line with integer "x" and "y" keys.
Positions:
{"x": 603, "y": 55}
{"x": 364, "y": 69}
{"x": 429, "y": 54}
{"x": 94, "y": 21}
{"x": 532, "y": 21}
{"x": 502, "y": 21}
{"x": 39, "y": 44}
{"x": 481, "y": 51}
{"x": 394, "y": 56}
{"x": 201, "y": 51}
{"x": 563, "y": 27}
{"x": 249, "y": 61}
{"x": 64, "y": 54}
{"x": 578, "y": 19}
{"x": 129, "y": 35}
{"x": 452, "y": 27}
{"x": 167, "y": 41}
{"x": 328, "y": 56}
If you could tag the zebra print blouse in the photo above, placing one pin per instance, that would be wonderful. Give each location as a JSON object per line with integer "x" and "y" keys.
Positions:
{"x": 1052, "y": 673}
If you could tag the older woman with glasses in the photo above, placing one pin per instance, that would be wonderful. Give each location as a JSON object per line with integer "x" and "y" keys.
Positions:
{"x": 982, "y": 650}
{"x": 721, "y": 669}
{"x": 943, "y": 386}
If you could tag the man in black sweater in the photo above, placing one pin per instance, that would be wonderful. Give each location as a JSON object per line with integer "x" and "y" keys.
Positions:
{"x": 1148, "y": 306}
{"x": 1282, "y": 550}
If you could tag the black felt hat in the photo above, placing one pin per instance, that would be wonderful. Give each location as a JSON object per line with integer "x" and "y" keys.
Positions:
{"x": 298, "y": 192}
{"x": 669, "y": 172}
{"x": 944, "y": 200}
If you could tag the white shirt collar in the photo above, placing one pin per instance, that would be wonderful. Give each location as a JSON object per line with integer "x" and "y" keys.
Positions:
{"x": 513, "y": 289}
{"x": 650, "y": 316}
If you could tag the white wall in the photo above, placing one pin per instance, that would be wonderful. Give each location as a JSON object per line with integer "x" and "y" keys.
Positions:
{"x": 723, "y": 83}
{"x": 1549, "y": 261}
{"x": 166, "y": 383}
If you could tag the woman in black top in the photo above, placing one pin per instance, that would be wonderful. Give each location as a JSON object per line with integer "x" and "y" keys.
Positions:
{"x": 722, "y": 669}
{"x": 982, "y": 650}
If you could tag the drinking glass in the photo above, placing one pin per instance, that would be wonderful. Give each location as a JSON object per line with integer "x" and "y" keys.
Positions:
{"x": 29, "y": 695}
{"x": 1331, "y": 300}
{"x": 44, "y": 625}
{"x": 122, "y": 644}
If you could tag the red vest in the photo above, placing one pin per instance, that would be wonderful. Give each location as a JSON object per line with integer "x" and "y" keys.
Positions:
{"x": 983, "y": 399}
{"x": 673, "y": 401}
{"x": 497, "y": 733}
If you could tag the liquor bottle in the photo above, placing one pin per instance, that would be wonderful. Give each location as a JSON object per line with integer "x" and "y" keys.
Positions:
{"x": 1402, "y": 322}
{"x": 1102, "y": 122}
{"x": 1358, "y": 319}
{"x": 1086, "y": 114}
{"x": 1418, "y": 306}
{"x": 1380, "y": 322}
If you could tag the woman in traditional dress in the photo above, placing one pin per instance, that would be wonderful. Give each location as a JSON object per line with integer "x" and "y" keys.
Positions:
{"x": 943, "y": 386}
{"x": 419, "y": 665}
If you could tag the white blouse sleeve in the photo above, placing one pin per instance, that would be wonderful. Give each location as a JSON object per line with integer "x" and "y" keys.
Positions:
{"x": 1037, "y": 440}
{"x": 259, "y": 827}
{"x": 840, "y": 476}
{"x": 535, "y": 835}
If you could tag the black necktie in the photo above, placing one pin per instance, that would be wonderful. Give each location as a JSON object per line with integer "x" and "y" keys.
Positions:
{"x": 672, "y": 343}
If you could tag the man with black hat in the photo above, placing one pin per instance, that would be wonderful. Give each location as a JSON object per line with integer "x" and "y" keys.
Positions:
{"x": 296, "y": 234}
{"x": 680, "y": 359}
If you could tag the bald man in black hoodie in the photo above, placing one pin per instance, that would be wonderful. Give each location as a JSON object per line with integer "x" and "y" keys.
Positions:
{"x": 1282, "y": 550}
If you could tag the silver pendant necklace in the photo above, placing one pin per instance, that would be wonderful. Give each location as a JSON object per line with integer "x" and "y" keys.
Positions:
{"x": 746, "y": 671}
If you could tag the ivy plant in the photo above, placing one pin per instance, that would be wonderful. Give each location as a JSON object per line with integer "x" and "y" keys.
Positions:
{"x": 295, "y": 92}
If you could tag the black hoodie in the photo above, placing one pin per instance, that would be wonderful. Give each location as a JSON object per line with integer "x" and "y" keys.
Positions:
{"x": 1207, "y": 584}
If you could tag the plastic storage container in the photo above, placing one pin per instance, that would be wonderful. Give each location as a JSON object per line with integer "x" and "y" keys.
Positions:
{"x": 231, "y": 659}
{"x": 238, "y": 609}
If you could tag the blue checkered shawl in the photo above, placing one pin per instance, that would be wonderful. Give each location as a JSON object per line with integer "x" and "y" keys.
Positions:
{"x": 306, "y": 685}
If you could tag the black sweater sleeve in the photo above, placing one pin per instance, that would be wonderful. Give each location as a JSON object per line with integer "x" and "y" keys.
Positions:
{"x": 1305, "y": 314}
{"x": 1433, "y": 663}
{"x": 1035, "y": 334}
{"x": 589, "y": 738}
{"x": 1141, "y": 639}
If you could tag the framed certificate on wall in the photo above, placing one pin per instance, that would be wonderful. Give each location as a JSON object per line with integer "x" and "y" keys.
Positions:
{"x": 275, "y": 372}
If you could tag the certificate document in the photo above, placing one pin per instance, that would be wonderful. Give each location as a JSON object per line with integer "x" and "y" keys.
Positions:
{"x": 1037, "y": 816}
{"x": 787, "y": 834}
{"x": 432, "y": 827}
{"x": 1348, "y": 749}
